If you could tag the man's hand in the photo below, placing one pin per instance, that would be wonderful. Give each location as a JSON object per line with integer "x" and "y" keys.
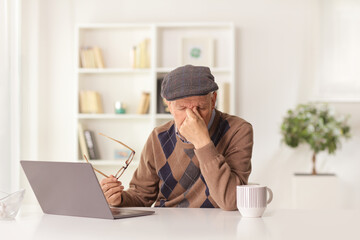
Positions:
{"x": 194, "y": 129}
{"x": 112, "y": 189}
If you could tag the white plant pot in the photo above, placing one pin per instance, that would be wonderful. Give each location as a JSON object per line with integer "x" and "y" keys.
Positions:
{"x": 319, "y": 191}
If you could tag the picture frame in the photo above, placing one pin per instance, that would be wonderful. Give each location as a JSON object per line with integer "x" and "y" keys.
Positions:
{"x": 197, "y": 51}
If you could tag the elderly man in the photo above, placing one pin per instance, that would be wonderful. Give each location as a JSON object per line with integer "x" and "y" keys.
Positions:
{"x": 195, "y": 160}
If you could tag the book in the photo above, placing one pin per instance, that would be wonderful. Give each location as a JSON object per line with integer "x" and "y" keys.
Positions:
{"x": 223, "y": 97}
{"x": 133, "y": 57}
{"x": 161, "y": 106}
{"x": 147, "y": 53}
{"x": 144, "y": 53}
{"x": 144, "y": 103}
{"x": 82, "y": 142}
{"x": 140, "y": 54}
{"x": 137, "y": 56}
{"x": 99, "y": 60}
{"x": 98, "y": 102}
{"x": 90, "y": 102}
{"x": 91, "y": 57}
{"x": 142, "y": 49}
{"x": 83, "y": 58}
{"x": 87, "y": 58}
{"x": 147, "y": 104}
{"x": 91, "y": 145}
{"x": 141, "y": 104}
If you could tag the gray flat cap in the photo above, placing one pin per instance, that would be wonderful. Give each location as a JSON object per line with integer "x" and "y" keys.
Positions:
{"x": 187, "y": 81}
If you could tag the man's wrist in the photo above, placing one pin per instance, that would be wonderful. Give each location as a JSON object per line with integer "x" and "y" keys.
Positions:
{"x": 201, "y": 144}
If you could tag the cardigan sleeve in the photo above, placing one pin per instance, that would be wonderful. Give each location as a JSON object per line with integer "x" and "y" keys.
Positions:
{"x": 223, "y": 172}
{"x": 144, "y": 187}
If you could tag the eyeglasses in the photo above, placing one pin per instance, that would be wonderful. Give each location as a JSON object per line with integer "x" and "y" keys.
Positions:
{"x": 123, "y": 168}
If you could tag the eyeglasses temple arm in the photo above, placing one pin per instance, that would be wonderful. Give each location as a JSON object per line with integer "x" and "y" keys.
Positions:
{"x": 93, "y": 167}
{"x": 117, "y": 142}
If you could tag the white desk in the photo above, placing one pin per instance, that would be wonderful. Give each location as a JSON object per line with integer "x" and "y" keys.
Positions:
{"x": 171, "y": 223}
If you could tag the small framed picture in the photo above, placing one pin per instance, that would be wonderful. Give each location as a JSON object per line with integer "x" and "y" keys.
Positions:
{"x": 197, "y": 51}
{"x": 122, "y": 154}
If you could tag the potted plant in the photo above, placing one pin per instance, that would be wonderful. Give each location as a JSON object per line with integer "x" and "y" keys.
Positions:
{"x": 316, "y": 125}
{"x": 319, "y": 127}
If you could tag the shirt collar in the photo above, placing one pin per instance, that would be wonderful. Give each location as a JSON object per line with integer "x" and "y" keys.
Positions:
{"x": 211, "y": 119}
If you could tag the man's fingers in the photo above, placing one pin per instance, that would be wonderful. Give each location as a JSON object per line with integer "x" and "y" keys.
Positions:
{"x": 190, "y": 113}
{"x": 110, "y": 179}
{"x": 115, "y": 198}
{"x": 193, "y": 113}
{"x": 197, "y": 113}
{"x": 113, "y": 191}
{"x": 108, "y": 186}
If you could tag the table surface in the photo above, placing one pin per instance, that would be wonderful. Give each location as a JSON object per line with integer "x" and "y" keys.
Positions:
{"x": 186, "y": 223}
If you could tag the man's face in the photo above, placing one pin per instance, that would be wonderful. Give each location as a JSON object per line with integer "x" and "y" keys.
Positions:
{"x": 204, "y": 105}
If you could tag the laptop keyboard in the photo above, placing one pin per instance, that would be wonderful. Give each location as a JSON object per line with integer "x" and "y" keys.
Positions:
{"x": 123, "y": 212}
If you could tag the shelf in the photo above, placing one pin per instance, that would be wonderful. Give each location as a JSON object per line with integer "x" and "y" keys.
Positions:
{"x": 123, "y": 116}
{"x": 101, "y": 26}
{"x": 113, "y": 116}
{"x": 195, "y": 25}
{"x": 112, "y": 70}
{"x": 111, "y": 162}
{"x": 164, "y": 116}
{"x": 213, "y": 70}
{"x": 160, "y": 25}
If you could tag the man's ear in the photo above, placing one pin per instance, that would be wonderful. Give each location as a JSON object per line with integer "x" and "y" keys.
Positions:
{"x": 213, "y": 100}
{"x": 168, "y": 103}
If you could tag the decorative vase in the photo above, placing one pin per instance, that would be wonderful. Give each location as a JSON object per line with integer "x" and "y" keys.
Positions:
{"x": 318, "y": 191}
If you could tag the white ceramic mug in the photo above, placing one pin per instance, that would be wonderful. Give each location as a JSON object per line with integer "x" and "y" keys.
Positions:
{"x": 252, "y": 199}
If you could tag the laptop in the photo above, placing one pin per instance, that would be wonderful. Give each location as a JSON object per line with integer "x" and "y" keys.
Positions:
{"x": 72, "y": 189}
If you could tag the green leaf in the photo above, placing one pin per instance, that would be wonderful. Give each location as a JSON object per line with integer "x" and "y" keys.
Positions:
{"x": 315, "y": 125}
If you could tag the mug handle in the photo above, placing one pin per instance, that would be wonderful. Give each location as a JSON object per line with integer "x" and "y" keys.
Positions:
{"x": 270, "y": 195}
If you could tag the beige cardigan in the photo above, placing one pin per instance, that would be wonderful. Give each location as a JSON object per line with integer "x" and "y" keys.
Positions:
{"x": 173, "y": 174}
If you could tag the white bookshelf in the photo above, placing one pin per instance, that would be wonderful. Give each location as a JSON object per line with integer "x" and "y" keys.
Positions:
{"x": 112, "y": 70}
{"x": 113, "y": 116}
{"x": 112, "y": 163}
{"x": 118, "y": 81}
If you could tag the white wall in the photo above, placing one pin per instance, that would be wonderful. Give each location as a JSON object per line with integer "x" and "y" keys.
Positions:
{"x": 276, "y": 61}
{"x": 4, "y": 97}
{"x": 9, "y": 94}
